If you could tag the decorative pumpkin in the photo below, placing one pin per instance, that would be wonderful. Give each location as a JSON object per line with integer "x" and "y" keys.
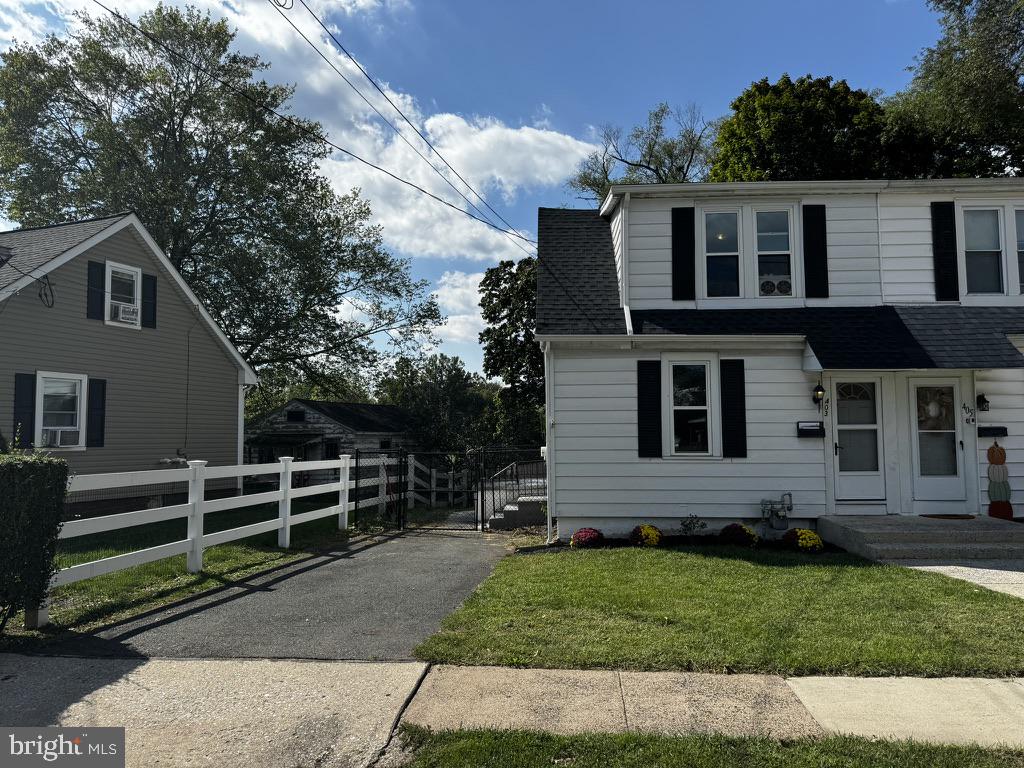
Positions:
{"x": 998, "y": 473}
{"x": 996, "y": 454}
{"x": 1001, "y": 509}
{"x": 999, "y": 491}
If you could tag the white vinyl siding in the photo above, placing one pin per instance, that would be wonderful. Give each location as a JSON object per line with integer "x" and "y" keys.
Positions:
{"x": 1005, "y": 393}
{"x": 616, "y": 225}
{"x": 599, "y": 475}
{"x": 853, "y": 251}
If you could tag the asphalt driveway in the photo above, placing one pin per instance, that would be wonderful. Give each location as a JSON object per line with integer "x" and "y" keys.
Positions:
{"x": 375, "y": 599}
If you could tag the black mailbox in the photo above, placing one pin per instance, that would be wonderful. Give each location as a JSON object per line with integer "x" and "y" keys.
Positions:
{"x": 810, "y": 429}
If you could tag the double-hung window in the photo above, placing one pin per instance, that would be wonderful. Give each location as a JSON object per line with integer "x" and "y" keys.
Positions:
{"x": 123, "y": 295}
{"x": 60, "y": 410}
{"x": 983, "y": 250}
{"x": 774, "y": 263}
{"x": 722, "y": 253}
{"x": 690, "y": 411}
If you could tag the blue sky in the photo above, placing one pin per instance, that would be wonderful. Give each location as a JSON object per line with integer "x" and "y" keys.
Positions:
{"x": 512, "y": 93}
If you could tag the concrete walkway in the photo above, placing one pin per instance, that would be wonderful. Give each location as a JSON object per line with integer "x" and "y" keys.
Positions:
{"x": 223, "y": 713}
{"x": 948, "y": 710}
{"x": 1000, "y": 575}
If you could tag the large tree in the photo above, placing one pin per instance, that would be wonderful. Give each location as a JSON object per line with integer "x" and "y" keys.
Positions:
{"x": 106, "y": 120}
{"x": 968, "y": 89}
{"x": 808, "y": 128}
{"x": 449, "y": 405}
{"x": 674, "y": 145}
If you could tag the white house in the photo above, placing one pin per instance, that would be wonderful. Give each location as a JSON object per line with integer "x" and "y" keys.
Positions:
{"x": 855, "y": 344}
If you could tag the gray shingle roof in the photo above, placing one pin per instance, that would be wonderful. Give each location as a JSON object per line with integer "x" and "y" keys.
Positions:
{"x": 883, "y": 337}
{"x": 577, "y": 289}
{"x": 29, "y": 249}
{"x": 363, "y": 417}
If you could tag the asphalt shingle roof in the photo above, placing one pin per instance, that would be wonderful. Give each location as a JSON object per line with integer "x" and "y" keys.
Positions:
{"x": 363, "y": 417}
{"x": 577, "y": 288}
{"x": 29, "y": 249}
{"x": 864, "y": 337}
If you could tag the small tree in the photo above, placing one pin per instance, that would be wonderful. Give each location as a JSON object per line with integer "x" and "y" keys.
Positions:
{"x": 31, "y": 508}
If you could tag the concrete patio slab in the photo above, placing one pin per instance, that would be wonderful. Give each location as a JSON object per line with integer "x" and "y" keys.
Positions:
{"x": 947, "y": 710}
{"x": 736, "y": 705}
{"x": 555, "y": 700}
{"x": 999, "y": 575}
{"x": 222, "y": 713}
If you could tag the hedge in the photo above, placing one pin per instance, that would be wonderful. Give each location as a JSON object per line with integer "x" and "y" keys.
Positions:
{"x": 32, "y": 489}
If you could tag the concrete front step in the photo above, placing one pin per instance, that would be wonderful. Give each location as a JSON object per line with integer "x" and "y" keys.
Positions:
{"x": 947, "y": 551}
{"x": 898, "y": 537}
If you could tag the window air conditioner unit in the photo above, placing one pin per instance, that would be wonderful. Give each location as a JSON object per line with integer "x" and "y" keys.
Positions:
{"x": 126, "y": 313}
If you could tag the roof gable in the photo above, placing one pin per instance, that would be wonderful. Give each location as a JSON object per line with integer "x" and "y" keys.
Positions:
{"x": 54, "y": 246}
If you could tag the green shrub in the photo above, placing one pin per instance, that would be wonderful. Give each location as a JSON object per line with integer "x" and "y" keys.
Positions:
{"x": 31, "y": 506}
{"x": 739, "y": 535}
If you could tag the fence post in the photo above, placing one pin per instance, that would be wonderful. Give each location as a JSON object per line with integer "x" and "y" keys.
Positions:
{"x": 382, "y": 485}
{"x": 411, "y": 472}
{"x": 433, "y": 487}
{"x": 343, "y": 474}
{"x": 196, "y": 499}
{"x": 284, "y": 506}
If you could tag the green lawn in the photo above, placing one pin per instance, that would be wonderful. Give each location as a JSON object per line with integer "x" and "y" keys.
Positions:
{"x": 721, "y": 609}
{"x": 512, "y": 749}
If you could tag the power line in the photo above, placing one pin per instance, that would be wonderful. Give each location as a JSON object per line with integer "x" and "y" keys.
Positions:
{"x": 298, "y": 126}
{"x": 400, "y": 112}
{"x": 276, "y": 4}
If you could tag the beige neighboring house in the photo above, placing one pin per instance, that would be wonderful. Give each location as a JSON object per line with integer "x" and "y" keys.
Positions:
{"x": 107, "y": 358}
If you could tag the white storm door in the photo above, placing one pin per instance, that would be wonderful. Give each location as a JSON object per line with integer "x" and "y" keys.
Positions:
{"x": 937, "y": 440}
{"x": 857, "y": 426}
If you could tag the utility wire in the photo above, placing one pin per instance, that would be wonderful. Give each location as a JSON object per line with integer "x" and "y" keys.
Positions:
{"x": 299, "y": 126}
{"x": 400, "y": 112}
{"x": 276, "y": 4}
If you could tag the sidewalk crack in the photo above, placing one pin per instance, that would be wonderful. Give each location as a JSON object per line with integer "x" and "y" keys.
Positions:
{"x": 622, "y": 698}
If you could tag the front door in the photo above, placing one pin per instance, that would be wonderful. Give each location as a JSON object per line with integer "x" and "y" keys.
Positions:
{"x": 857, "y": 425}
{"x": 937, "y": 442}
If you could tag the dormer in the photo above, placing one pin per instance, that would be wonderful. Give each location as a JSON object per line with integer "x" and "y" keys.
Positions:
{"x": 844, "y": 243}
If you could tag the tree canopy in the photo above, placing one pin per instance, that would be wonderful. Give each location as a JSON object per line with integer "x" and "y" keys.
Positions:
{"x": 674, "y": 145}
{"x": 105, "y": 120}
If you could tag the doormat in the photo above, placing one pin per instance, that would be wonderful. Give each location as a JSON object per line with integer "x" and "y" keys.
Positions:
{"x": 950, "y": 517}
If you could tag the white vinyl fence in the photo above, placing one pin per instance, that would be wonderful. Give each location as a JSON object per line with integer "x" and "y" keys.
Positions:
{"x": 317, "y": 477}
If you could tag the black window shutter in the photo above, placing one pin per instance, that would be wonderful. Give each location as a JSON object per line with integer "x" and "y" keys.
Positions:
{"x": 733, "y": 390}
{"x": 24, "y": 409}
{"x": 947, "y": 282}
{"x": 96, "y": 414}
{"x": 149, "y": 301}
{"x": 96, "y": 290}
{"x": 815, "y": 252}
{"x": 684, "y": 256}
{"x": 648, "y": 407}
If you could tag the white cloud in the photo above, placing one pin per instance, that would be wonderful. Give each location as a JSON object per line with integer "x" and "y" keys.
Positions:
{"x": 458, "y": 296}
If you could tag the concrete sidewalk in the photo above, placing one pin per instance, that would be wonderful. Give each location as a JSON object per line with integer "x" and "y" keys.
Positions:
{"x": 998, "y": 575}
{"x": 225, "y": 713}
{"x": 946, "y": 710}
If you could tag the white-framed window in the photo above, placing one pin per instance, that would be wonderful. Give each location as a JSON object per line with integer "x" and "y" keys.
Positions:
{"x": 748, "y": 251}
{"x": 690, "y": 424}
{"x": 773, "y": 243}
{"x": 60, "y": 410}
{"x": 984, "y": 256}
{"x": 123, "y": 304}
{"x": 722, "y": 249}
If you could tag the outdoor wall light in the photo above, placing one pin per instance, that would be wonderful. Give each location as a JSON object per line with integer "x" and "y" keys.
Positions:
{"x": 982, "y": 403}
{"x": 818, "y": 395}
